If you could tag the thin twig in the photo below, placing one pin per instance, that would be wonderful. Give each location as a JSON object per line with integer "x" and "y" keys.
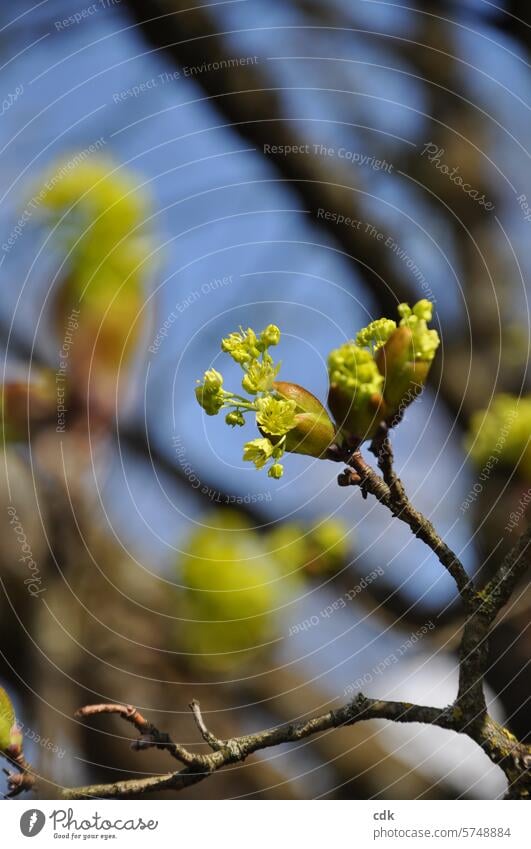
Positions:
{"x": 209, "y": 738}
{"x": 150, "y": 736}
{"x": 22, "y": 780}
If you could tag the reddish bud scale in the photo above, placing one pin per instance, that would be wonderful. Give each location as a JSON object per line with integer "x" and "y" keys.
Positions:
{"x": 360, "y": 423}
{"x": 314, "y": 431}
{"x": 404, "y": 377}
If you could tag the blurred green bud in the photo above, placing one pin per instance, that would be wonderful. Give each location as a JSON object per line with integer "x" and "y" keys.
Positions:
{"x": 313, "y": 431}
{"x": 328, "y": 547}
{"x": 211, "y": 404}
{"x": 276, "y": 471}
{"x": 99, "y": 213}
{"x": 500, "y": 434}
{"x": 231, "y": 589}
{"x": 287, "y": 544}
{"x": 355, "y": 395}
{"x": 10, "y": 734}
{"x": 235, "y": 418}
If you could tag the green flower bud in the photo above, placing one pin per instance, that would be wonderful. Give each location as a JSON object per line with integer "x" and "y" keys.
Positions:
{"x": 270, "y": 336}
{"x": 235, "y": 418}
{"x": 355, "y": 395}
{"x": 209, "y": 394}
{"x": 276, "y": 471}
{"x": 213, "y": 381}
{"x": 503, "y": 431}
{"x": 405, "y": 359}
{"x": 313, "y": 431}
{"x": 375, "y": 334}
{"x": 211, "y": 404}
{"x": 229, "y": 589}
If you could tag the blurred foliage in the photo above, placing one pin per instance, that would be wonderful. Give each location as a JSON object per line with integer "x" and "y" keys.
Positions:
{"x": 236, "y": 581}
{"x": 501, "y": 434}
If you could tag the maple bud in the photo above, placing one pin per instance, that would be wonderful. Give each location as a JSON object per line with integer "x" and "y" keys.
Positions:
{"x": 405, "y": 359}
{"x": 355, "y": 396}
{"x": 313, "y": 430}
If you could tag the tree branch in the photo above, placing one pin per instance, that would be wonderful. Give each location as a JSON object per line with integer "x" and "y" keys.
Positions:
{"x": 468, "y": 715}
{"x": 391, "y": 494}
{"x": 513, "y": 567}
{"x": 237, "y": 749}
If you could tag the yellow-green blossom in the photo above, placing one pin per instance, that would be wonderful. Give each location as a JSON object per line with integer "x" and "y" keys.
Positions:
{"x": 270, "y": 336}
{"x": 213, "y": 381}
{"x": 355, "y": 395}
{"x": 243, "y": 347}
{"x": 258, "y": 451}
{"x": 260, "y": 376}
{"x": 375, "y": 334}
{"x": 229, "y": 590}
{"x": 276, "y": 471}
{"x": 424, "y": 341}
{"x": 353, "y": 368}
{"x": 274, "y": 416}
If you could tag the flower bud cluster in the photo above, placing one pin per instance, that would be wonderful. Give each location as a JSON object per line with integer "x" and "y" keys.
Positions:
{"x": 372, "y": 379}
{"x": 381, "y": 371}
{"x": 288, "y": 417}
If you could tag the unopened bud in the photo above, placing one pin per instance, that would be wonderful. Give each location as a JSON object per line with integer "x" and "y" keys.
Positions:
{"x": 404, "y": 375}
{"x": 355, "y": 396}
{"x": 314, "y": 430}
{"x": 235, "y": 418}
